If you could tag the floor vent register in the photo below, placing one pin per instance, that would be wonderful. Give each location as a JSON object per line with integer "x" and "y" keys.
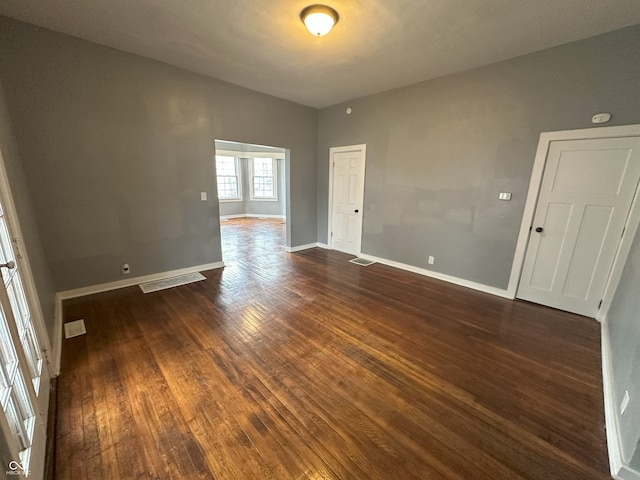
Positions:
{"x": 165, "y": 283}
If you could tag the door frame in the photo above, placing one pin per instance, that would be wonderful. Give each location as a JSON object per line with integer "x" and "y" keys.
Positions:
{"x": 50, "y": 367}
{"x": 631, "y": 225}
{"x": 22, "y": 258}
{"x": 284, "y": 190}
{"x": 332, "y": 151}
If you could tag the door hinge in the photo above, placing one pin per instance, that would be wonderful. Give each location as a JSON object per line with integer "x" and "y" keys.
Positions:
{"x": 45, "y": 354}
{"x": 600, "y": 305}
{"x": 331, "y": 234}
{"x": 16, "y": 247}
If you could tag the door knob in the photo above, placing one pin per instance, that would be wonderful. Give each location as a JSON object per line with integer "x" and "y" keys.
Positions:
{"x": 539, "y": 229}
{"x": 10, "y": 265}
{"x": 356, "y": 211}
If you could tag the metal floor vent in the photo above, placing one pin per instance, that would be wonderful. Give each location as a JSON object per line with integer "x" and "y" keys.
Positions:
{"x": 74, "y": 329}
{"x": 150, "y": 287}
{"x": 362, "y": 261}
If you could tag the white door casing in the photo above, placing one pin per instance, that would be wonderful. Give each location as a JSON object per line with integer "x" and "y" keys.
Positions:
{"x": 24, "y": 366}
{"x": 585, "y": 197}
{"x": 346, "y": 197}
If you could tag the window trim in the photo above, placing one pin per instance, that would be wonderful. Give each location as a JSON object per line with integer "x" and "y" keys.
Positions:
{"x": 252, "y": 194}
{"x": 238, "y": 170}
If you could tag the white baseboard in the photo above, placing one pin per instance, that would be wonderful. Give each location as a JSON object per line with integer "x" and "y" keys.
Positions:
{"x": 250, "y": 215}
{"x": 440, "y": 276}
{"x": 257, "y": 215}
{"x": 610, "y": 419}
{"x": 105, "y": 287}
{"x": 130, "y": 282}
{"x": 301, "y": 247}
{"x": 616, "y": 460}
{"x": 323, "y": 245}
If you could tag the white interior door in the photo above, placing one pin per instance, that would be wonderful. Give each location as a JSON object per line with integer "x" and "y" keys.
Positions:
{"x": 347, "y": 196}
{"x": 586, "y": 193}
{"x": 24, "y": 377}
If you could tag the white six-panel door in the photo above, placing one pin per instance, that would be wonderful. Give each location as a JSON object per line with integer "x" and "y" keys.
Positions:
{"x": 346, "y": 202}
{"x": 585, "y": 197}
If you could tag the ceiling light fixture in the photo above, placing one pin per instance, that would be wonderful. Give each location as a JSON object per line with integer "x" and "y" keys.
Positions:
{"x": 319, "y": 19}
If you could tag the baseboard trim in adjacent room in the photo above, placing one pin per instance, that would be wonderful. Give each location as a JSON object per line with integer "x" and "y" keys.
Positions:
{"x": 618, "y": 468}
{"x": 440, "y": 276}
{"x": 250, "y": 215}
{"x": 300, "y": 247}
{"x": 257, "y": 215}
{"x": 105, "y": 287}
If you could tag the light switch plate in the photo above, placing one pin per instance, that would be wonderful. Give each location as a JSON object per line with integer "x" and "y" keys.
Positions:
{"x": 504, "y": 196}
{"x": 203, "y": 196}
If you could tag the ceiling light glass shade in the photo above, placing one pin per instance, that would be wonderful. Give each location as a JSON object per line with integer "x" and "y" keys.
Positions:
{"x": 319, "y": 19}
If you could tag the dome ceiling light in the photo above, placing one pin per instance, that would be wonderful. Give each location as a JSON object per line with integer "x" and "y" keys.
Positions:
{"x": 319, "y": 19}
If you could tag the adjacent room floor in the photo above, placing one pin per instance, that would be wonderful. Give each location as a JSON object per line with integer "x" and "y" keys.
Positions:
{"x": 305, "y": 366}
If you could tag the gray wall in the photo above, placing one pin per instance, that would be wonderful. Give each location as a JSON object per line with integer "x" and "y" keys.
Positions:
{"x": 623, "y": 321}
{"x": 113, "y": 149}
{"x": 257, "y": 207}
{"x": 439, "y": 152}
{"x": 117, "y": 148}
{"x": 22, "y": 200}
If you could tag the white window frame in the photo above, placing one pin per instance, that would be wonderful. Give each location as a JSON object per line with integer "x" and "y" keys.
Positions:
{"x": 252, "y": 194}
{"x": 238, "y": 175}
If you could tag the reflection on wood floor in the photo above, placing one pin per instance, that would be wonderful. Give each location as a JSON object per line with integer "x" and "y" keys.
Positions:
{"x": 305, "y": 366}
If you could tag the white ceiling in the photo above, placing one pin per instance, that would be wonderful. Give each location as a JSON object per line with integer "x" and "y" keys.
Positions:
{"x": 377, "y": 45}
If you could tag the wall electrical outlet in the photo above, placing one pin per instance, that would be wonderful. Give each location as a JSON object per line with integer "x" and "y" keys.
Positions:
{"x": 124, "y": 269}
{"x": 625, "y": 402}
{"x": 203, "y": 196}
{"x": 431, "y": 260}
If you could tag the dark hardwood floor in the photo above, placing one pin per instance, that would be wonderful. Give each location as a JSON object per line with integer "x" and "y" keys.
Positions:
{"x": 305, "y": 366}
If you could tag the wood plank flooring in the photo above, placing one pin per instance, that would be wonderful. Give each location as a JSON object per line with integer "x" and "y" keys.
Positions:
{"x": 305, "y": 366}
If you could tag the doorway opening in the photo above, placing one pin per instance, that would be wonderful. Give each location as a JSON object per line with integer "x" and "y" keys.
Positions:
{"x": 252, "y": 198}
